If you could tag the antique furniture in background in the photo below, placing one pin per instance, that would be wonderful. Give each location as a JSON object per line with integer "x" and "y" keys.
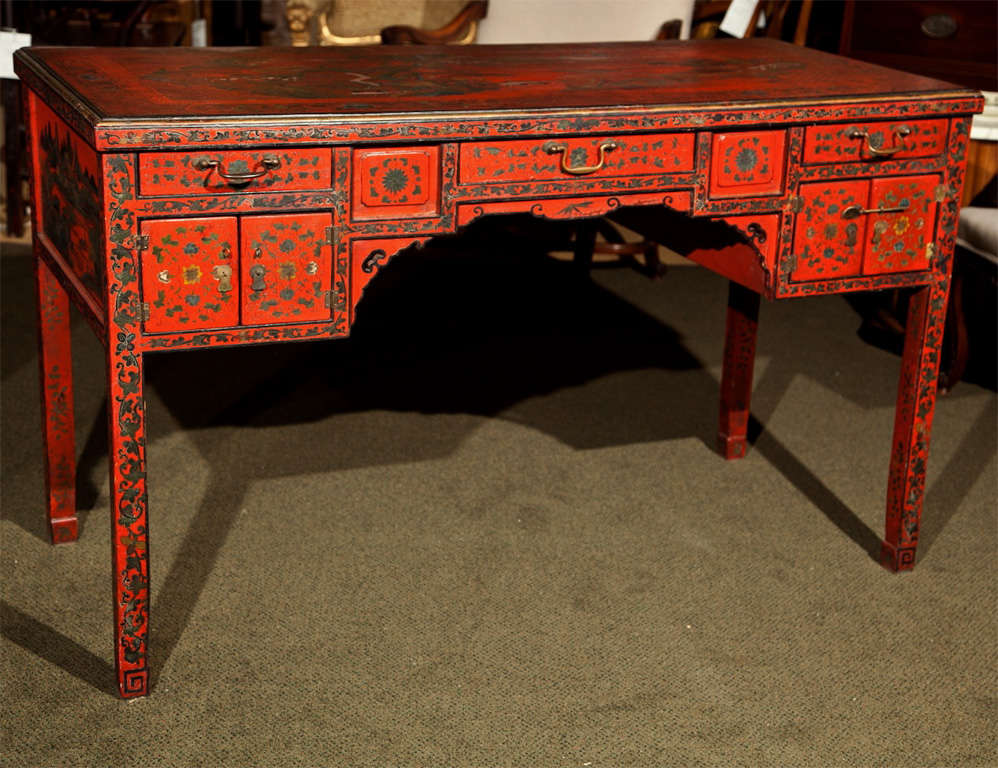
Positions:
{"x": 342, "y": 22}
{"x": 178, "y": 211}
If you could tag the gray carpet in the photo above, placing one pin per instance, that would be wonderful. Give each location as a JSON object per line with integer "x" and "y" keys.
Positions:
{"x": 490, "y": 530}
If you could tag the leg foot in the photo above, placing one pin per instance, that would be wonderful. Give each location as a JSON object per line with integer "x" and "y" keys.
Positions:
{"x": 736, "y": 375}
{"x": 913, "y": 424}
{"x": 129, "y": 515}
{"x": 56, "y": 371}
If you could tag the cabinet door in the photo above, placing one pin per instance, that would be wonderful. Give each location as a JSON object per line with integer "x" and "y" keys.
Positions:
{"x": 826, "y": 244}
{"x": 286, "y": 267}
{"x": 898, "y": 240}
{"x": 189, "y": 275}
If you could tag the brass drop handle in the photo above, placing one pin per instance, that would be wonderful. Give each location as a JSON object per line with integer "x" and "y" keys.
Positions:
{"x": 223, "y": 274}
{"x": 900, "y": 133}
{"x": 855, "y": 211}
{"x": 269, "y": 162}
{"x": 257, "y": 271}
{"x": 554, "y": 148}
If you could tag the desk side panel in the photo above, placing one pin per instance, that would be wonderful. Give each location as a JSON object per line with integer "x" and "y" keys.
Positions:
{"x": 68, "y": 201}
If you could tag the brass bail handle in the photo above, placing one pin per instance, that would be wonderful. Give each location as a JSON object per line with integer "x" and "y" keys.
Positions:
{"x": 269, "y": 163}
{"x": 900, "y": 133}
{"x": 554, "y": 148}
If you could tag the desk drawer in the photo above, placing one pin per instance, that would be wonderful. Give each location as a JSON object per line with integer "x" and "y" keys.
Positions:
{"x": 208, "y": 172}
{"x": 225, "y": 271}
{"x": 848, "y": 142}
{"x": 868, "y": 227}
{"x": 545, "y": 160}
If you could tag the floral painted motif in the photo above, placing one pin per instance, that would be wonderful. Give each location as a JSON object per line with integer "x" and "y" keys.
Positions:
{"x": 749, "y": 163}
{"x": 396, "y": 182}
{"x": 509, "y": 161}
{"x": 843, "y": 143}
{"x": 286, "y": 263}
{"x": 826, "y": 245}
{"x": 901, "y": 240}
{"x": 183, "y": 274}
{"x": 178, "y": 173}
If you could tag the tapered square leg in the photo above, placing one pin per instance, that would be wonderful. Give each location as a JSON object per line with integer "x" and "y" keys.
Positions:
{"x": 736, "y": 375}
{"x": 912, "y": 424}
{"x": 56, "y": 373}
{"x": 129, "y": 515}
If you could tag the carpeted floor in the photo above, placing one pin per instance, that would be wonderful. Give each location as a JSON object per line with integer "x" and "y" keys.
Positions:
{"x": 490, "y": 530}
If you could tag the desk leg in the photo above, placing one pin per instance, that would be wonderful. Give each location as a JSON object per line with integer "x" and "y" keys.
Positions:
{"x": 129, "y": 532}
{"x": 56, "y": 372}
{"x": 736, "y": 375}
{"x": 912, "y": 424}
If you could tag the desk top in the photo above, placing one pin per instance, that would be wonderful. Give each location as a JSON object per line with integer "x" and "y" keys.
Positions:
{"x": 147, "y": 83}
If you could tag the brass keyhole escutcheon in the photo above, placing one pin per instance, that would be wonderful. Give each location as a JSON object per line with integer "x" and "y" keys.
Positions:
{"x": 257, "y": 271}
{"x": 223, "y": 274}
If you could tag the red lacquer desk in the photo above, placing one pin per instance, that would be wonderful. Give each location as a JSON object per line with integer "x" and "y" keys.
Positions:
{"x": 193, "y": 198}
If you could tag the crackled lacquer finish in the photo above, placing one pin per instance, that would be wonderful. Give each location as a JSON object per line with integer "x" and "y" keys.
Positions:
{"x": 286, "y": 267}
{"x": 189, "y": 277}
{"x": 177, "y": 173}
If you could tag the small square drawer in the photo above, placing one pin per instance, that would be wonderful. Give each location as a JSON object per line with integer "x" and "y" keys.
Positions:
{"x": 546, "y": 160}
{"x": 747, "y": 163}
{"x": 209, "y": 172}
{"x": 396, "y": 182}
{"x": 849, "y": 142}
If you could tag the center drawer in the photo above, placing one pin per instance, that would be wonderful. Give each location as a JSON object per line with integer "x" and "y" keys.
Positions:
{"x": 550, "y": 159}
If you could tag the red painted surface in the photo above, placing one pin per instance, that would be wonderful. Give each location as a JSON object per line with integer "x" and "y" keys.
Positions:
{"x": 839, "y": 144}
{"x": 505, "y": 161}
{"x": 574, "y": 207}
{"x": 898, "y": 242}
{"x": 389, "y": 183}
{"x": 827, "y": 245}
{"x": 176, "y": 173}
{"x": 913, "y": 424}
{"x": 736, "y": 374}
{"x": 411, "y": 143}
{"x": 286, "y": 267}
{"x": 747, "y": 164}
{"x": 180, "y": 278}
{"x": 56, "y": 372}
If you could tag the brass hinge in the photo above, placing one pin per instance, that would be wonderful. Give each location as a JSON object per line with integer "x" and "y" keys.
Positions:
{"x": 329, "y": 235}
{"x": 327, "y": 299}
{"x": 791, "y": 262}
{"x": 142, "y": 243}
{"x": 796, "y": 204}
{"x": 146, "y": 311}
{"x": 941, "y": 193}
